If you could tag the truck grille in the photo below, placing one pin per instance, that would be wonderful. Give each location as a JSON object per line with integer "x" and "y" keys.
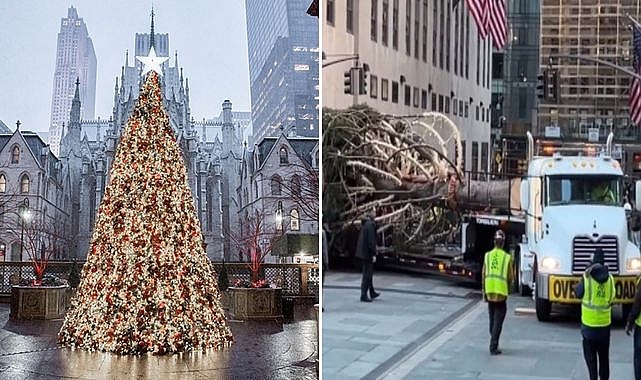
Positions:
{"x": 583, "y": 247}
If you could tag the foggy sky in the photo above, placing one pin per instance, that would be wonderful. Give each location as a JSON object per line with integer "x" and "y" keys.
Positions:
{"x": 210, "y": 36}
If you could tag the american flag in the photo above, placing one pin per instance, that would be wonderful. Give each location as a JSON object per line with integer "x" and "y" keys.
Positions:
{"x": 635, "y": 88}
{"x": 497, "y": 23}
{"x": 479, "y": 10}
{"x": 490, "y": 17}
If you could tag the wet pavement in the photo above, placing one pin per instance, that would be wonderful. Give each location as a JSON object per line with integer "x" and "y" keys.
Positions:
{"x": 423, "y": 327}
{"x": 262, "y": 350}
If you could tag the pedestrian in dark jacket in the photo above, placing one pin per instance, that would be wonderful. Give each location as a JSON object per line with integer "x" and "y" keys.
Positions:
{"x": 596, "y": 291}
{"x": 366, "y": 251}
{"x": 634, "y": 322}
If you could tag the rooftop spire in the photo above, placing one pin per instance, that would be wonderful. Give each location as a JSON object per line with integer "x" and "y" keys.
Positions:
{"x": 176, "y": 65}
{"x": 151, "y": 36}
{"x": 127, "y": 58}
{"x": 76, "y": 96}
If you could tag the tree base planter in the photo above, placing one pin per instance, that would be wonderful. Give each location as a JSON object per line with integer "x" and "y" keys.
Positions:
{"x": 256, "y": 303}
{"x": 38, "y": 302}
{"x": 224, "y": 299}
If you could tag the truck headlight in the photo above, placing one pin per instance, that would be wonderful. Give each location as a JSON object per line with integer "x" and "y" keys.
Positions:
{"x": 551, "y": 263}
{"x": 633, "y": 263}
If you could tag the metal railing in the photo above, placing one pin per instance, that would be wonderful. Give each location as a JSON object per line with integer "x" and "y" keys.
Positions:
{"x": 294, "y": 279}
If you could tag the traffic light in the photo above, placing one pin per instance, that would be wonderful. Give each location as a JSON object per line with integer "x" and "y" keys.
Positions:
{"x": 362, "y": 83}
{"x": 542, "y": 85}
{"x": 349, "y": 89}
{"x": 554, "y": 87}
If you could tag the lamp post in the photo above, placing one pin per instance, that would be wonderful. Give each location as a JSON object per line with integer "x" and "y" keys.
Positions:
{"x": 25, "y": 216}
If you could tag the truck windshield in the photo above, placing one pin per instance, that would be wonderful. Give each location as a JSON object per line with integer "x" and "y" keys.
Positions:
{"x": 563, "y": 190}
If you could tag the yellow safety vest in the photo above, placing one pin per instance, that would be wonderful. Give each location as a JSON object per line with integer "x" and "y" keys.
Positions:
{"x": 495, "y": 266}
{"x": 638, "y": 320}
{"x": 596, "y": 306}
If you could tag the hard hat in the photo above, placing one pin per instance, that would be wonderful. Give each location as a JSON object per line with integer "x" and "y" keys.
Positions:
{"x": 499, "y": 235}
{"x": 627, "y": 207}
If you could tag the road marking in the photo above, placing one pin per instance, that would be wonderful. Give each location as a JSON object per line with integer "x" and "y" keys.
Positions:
{"x": 524, "y": 311}
{"x": 422, "y": 352}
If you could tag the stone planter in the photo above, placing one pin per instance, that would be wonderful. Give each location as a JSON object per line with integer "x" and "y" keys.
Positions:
{"x": 224, "y": 299}
{"x": 38, "y": 302}
{"x": 255, "y": 303}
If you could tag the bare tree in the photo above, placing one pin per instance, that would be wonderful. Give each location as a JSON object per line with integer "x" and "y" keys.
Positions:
{"x": 43, "y": 238}
{"x": 258, "y": 240}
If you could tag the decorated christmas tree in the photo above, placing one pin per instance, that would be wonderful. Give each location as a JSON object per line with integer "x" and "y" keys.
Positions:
{"x": 147, "y": 285}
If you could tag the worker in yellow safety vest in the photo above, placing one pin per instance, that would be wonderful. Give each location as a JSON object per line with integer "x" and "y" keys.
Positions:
{"x": 596, "y": 291}
{"x": 497, "y": 277}
{"x": 634, "y": 322}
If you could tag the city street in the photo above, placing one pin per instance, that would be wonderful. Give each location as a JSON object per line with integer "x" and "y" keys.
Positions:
{"x": 427, "y": 327}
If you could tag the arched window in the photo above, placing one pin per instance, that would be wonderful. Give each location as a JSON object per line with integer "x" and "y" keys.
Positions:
{"x": 294, "y": 220}
{"x": 255, "y": 189}
{"x": 15, "y": 155}
{"x": 283, "y": 155}
{"x": 276, "y": 185}
{"x": 279, "y": 216}
{"x": 295, "y": 184}
{"x": 24, "y": 184}
{"x": 3, "y": 183}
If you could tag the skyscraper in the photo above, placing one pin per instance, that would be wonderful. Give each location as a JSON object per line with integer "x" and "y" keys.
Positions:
{"x": 75, "y": 59}
{"x": 592, "y": 98}
{"x": 283, "y": 67}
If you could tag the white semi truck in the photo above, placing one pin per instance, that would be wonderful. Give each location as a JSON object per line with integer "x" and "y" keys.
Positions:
{"x": 573, "y": 205}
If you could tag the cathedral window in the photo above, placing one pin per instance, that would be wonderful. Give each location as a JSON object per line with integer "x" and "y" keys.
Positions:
{"x": 276, "y": 185}
{"x": 283, "y": 156}
{"x": 15, "y": 155}
{"x": 294, "y": 220}
{"x": 24, "y": 184}
{"x": 3, "y": 183}
{"x": 295, "y": 185}
{"x": 279, "y": 216}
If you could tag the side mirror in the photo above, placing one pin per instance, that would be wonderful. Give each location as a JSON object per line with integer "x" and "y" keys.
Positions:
{"x": 525, "y": 194}
{"x": 637, "y": 195}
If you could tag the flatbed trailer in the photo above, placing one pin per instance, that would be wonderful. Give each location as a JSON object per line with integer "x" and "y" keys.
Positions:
{"x": 462, "y": 260}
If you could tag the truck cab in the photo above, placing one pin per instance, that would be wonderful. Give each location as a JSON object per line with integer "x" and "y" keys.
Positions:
{"x": 573, "y": 205}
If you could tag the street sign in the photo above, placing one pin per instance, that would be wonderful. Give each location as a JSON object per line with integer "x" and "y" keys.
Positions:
{"x": 593, "y": 134}
{"x": 553, "y": 131}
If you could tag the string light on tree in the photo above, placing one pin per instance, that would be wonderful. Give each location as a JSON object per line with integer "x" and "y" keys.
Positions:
{"x": 147, "y": 285}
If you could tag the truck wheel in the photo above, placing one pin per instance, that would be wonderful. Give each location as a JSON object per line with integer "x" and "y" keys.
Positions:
{"x": 524, "y": 290}
{"x": 543, "y": 309}
{"x": 626, "y": 308}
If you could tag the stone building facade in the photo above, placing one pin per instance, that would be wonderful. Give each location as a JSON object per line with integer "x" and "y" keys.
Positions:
{"x": 268, "y": 173}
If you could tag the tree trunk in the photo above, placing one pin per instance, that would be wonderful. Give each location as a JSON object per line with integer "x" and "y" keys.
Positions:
{"x": 501, "y": 194}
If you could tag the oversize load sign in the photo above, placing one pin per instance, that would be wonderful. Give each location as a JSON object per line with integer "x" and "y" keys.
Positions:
{"x": 561, "y": 289}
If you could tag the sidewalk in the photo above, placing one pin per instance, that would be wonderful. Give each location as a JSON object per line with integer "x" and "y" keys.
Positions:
{"x": 425, "y": 328}
{"x": 366, "y": 339}
{"x": 531, "y": 349}
{"x": 262, "y": 350}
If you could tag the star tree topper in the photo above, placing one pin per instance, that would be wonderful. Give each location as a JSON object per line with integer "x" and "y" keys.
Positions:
{"x": 152, "y": 62}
